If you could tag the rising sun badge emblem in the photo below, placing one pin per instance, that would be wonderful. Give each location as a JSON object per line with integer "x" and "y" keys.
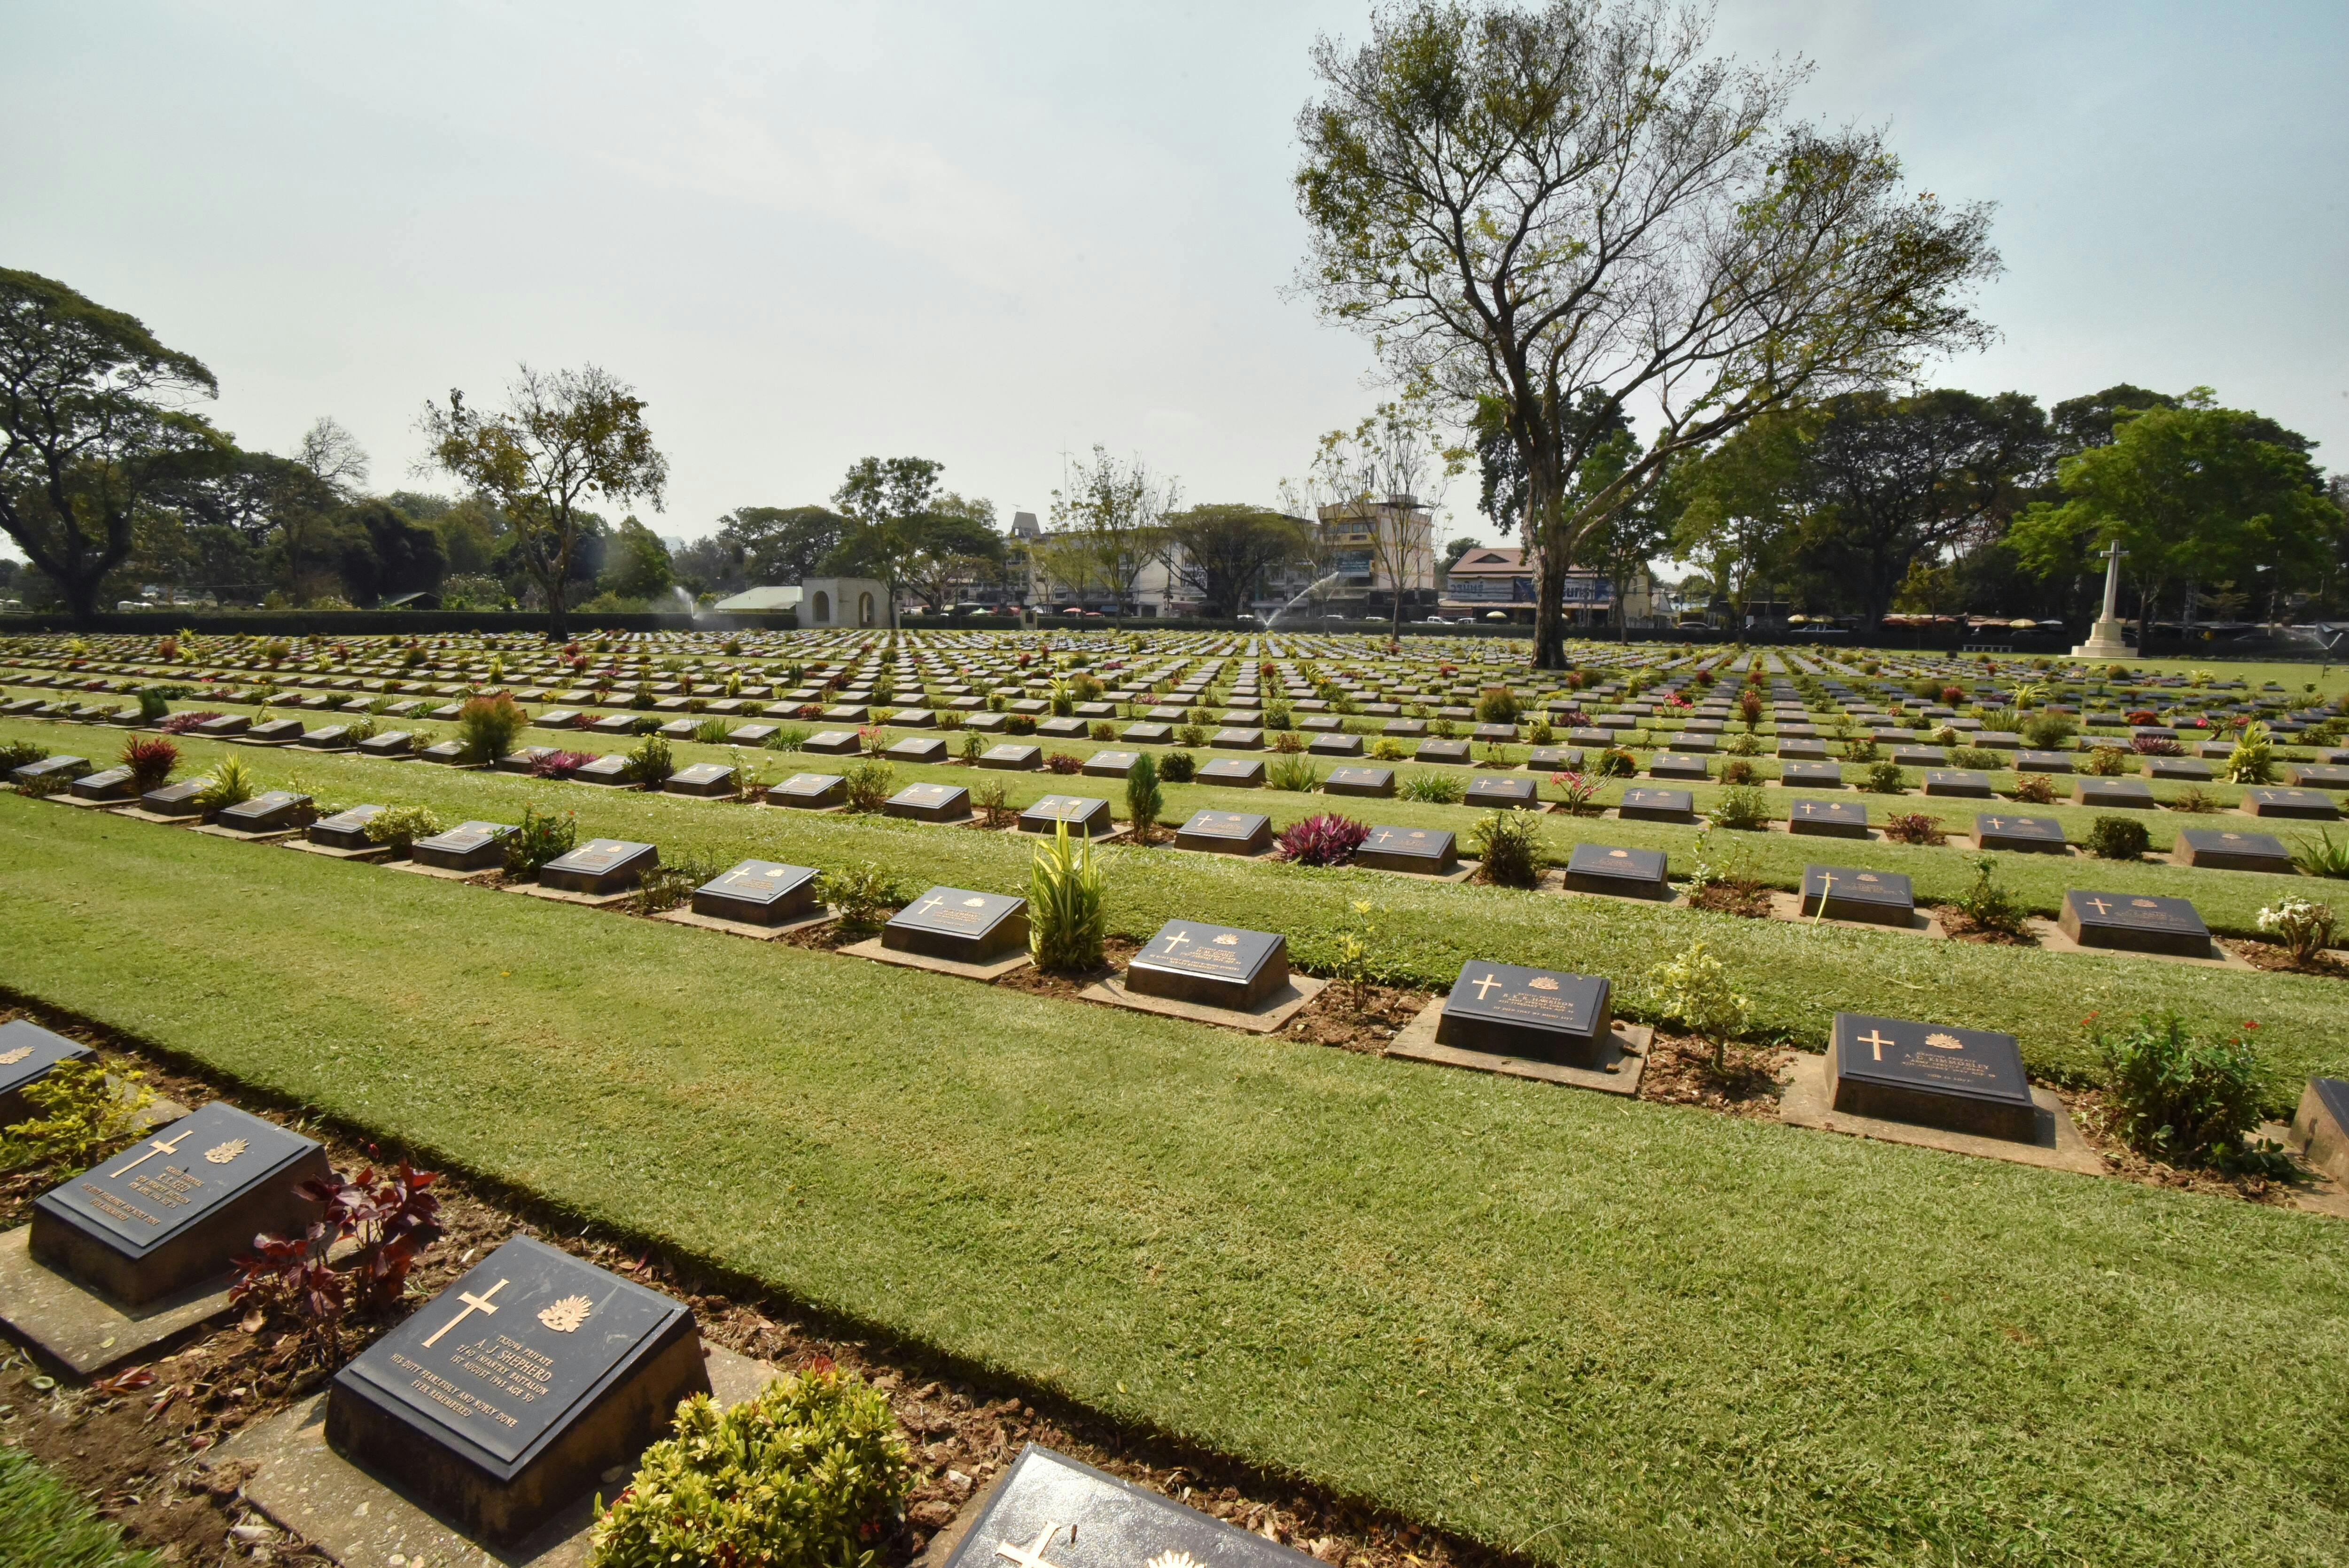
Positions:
{"x": 10, "y": 1058}
{"x": 221, "y": 1153}
{"x": 1945, "y": 1042}
{"x": 566, "y": 1314}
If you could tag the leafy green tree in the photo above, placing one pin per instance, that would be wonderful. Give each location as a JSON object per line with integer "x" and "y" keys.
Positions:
{"x": 782, "y": 545}
{"x": 1223, "y": 552}
{"x": 952, "y": 544}
{"x": 2190, "y": 492}
{"x": 568, "y": 435}
{"x": 385, "y": 553}
{"x": 1108, "y": 524}
{"x": 1549, "y": 203}
{"x": 1888, "y": 482}
{"x": 90, "y": 427}
{"x": 881, "y": 498}
{"x": 1734, "y": 507}
{"x": 636, "y": 563}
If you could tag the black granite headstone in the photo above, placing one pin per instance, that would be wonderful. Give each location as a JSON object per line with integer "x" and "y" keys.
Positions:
{"x": 2305, "y": 805}
{"x": 2135, "y": 922}
{"x": 182, "y": 800}
{"x": 1845, "y": 892}
{"x": 272, "y": 811}
{"x": 1086, "y": 817}
{"x": 2028, "y": 835}
{"x": 2226, "y": 850}
{"x": 467, "y": 847}
{"x": 391, "y": 743}
{"x": 1013, "y": 757}
{"x": 1962, "y": 782}
{"x": 1232, "y": 772}
{"x": 1215, "y": 966}
{"x": 2114, "y": 794}
{"x": 1430, "y": 851}
{"x": 1538, "y": 1013}
{"x": 1109, "y": 764}
{"x": 707, "y": 779}
{"x": 831, "y": 742}
{"x": 27, "y": 1052}
{"x": 1371, "y": 782}
{"x": 1810, "y": 775}
{"x": 1967, "y": 1080}
{"x": 1624, "y": 872}
{"x": 1052, "y": 1511}
{"x": 345, "y": 830}
{"x": 1828, "y": 819}
{"x": 173, "y": 1209}
{"x": 761, "y": 892}
{"x": 1656, "y": 806}
{"x": 107, "y": 784}
{"x": 957, "y": 923}
{"x": 929, "y": 803}
{"x": 516, "y": 1389}
{"x": 1489, "y": 792}
{"x": 808, "y": 790}
{"x": 1225, "y": 833}
{"x": 599, "y": 866}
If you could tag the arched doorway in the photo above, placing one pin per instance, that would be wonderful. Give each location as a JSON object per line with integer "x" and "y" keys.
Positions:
{"x": 823, "y": 608}
{"x": 864, "y": 609}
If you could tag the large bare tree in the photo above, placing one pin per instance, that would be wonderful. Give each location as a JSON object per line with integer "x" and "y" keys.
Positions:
{"x": 1386, "y": 472}
{"x": 1576, "y": 206}
{"x": 1108, "y": 523}
{"x": 569, "y": 434}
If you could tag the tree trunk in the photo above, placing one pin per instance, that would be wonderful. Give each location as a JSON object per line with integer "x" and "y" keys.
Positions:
{"x": 557, "y": 626}
{"x": 81, "y": 597}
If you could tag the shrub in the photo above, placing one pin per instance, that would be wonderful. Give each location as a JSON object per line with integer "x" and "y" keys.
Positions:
{"x": 82, "y": 1116}
{"x": 1882, "y": 778}
{"x": 560, "y": 764}
{"x": 2194, "y": 799}
{"x": 1694, "y": 987}
{"x": 543, "y": 836}
{"x": 1435, "y": 789}
{"x": 1296, "y": 773}
{"x": 1915, "y": 828}
{"x": 1286, "y": 741}
{"x": 2253, "y": 760}
{"x": 1067, "y": 909}
{"x": 1102, "y": 729}
{"x": 488, "y": 725}
{"x": 650, "y": 762}
{"x": 670, "y": 884}
{"x": 153, "y": 706}
{"x": 974, "y": 745}
{"x": 1325, "y": 839}
{"x": 2155, "y": 745}
{"x": 1579, "y": 791}
{"x": 2106, "y": 761}
{"x": 1860, "y": 748}
{"x": 1510, "y": 844}
{"x": 869, "y": 785}
{"x": 2035, "y": 789}
{"x": 232, "y": 784}
{"x": 1387, "y": 748}
{"x": 1616, "y": 762}
{"x": 1986, "y": 906}
{"x": 2321, "y": 857}
{"x": 1744, "y": 746}
{"x": 1498, "y": 705}
{"x": 15, "y": 754}
{"x": 2049, "y": 731}
{"x": 1062, "y": 762}
{"x": 1742, "y": 807}
{"x": 862, "y": 895}
{"x": 1979, "y": 758}
{"x": 1737, "y": 771}
{"x": 150, "y": 760}
{"x": 1019, "y": 723}
{"x": 713, "y": 731}
{"x": 1191, "y": 735}
{"x": 2302, "y": 926}
{"x": 1143, "y": 799}
{"x": 2180, "y": 1098}
{"x": 805, "y": 1474}
{"x": 400, "y": 826}
{"x": 1178, "y": 767}
{"x": 2117, "y": 837}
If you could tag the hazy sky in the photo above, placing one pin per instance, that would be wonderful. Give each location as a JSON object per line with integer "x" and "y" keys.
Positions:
{"x": 992, "y": 234}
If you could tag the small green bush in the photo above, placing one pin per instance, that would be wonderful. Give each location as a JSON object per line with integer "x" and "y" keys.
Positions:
{"x": 1068, "y": 906}
{"x": 232, "y": 784}
{"x": 2253, "y": 760}
{"x": 1178, "y": 767}
{"x": 2302, "y": 927}
{"x": 650, "y": 762}
{"x": 1435, "y": 789}
{"x": 1883, "y": 779}
{"x": 862, "y": 895}
{"x": 1510, "y": 845}
{"x": 2180, "y": 1098}
{"x": 400, "y": 826}
{"x": 1695, "y": 989}
{"x": 1293, "y": 773}
{"x": 2035, "y": 789}
{"x": 2118, "y": 839}
{"x": 1143, "y": 799}
{"x": 2048, "y": 731}
{"x": 2321, "y": 857}
{"x": 83, "y": 1116}
{"x": 803, "y": 1475}
{"x": 15, "y": 754}
{"x": 1616, "y": 762}
{"x": 543, "y": 836}
{"x": 1979, "y": 758}
{"x": 1988, "y": 906}
{"x": 2106, "y": 761}
{"x": 1742, "y": 807}
{"x": 488, "y": 725}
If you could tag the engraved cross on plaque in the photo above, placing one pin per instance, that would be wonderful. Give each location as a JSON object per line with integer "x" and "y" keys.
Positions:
{"x": 929, "y": 905}
{"x": 1032, "y": 1554}
{"x": 1180, "y": 939}
{"x": 1876, "y": 1042}
{"x": 474, "y": 1303}
{"x": 157, "y": 1147}
{"x": 1484, "y": 986}
{"x": 2101, "y": 906}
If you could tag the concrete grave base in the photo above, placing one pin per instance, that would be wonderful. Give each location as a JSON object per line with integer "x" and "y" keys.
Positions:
{"x": 1921, "y": 922}
{"x": 1621, "y": 1074}
{"x": 872, "y": 948}
{"x": 765, "y": 805}
{"x": 1554, "y": 880}
{"x": 2052, "y": 938}
{"x": 1275, "y": 1010}
{"x": 372, "y": 853}
{"x": 67, "y": 1327}
{"x": 362, "y": 1523}
{"x": 682, "y": 915}
{"x": 141, "y": 813}
{"x": 1461, "y": 871}
{"x": 275, "y": 836}
{"x": 1970, "y": 841}
{"x": 2058, "y": 1147}
{"x": 565, "y": 895}
{"x": 446, "y": 873}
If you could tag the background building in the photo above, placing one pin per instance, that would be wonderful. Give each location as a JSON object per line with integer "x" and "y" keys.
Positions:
{"x": 1498, "y": 577}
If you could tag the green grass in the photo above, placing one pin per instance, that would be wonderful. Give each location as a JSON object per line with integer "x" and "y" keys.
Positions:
{"x": 43, "y": 1524}
{"x": 1421, "y": 933}
{"x": 1597, "y": 1331}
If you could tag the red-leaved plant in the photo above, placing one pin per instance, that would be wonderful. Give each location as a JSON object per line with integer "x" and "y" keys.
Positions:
{"x": 560, "y": 764}
{"x": 150, "y": 760}
{"x": 1327, "y": 839}
{"x": 2155, "y": 745}
{"x": 391, "y": 1216}
{"x": 180, "y": 723}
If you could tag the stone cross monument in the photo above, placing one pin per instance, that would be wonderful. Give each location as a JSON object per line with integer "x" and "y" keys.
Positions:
{"x": 2106, "y": 638}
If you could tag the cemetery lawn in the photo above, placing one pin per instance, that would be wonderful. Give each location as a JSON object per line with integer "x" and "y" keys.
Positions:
{"x": 1589, "y": 1330}
{"x": 44, "y": 1523}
